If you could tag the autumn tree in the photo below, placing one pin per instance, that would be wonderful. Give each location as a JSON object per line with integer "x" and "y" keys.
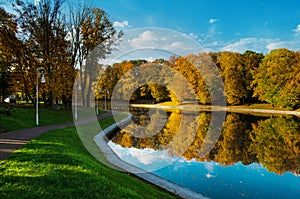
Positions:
{"x": 185, "y": 67}
{"x": 8, "y": 30}
{"x": 98, "y": 40}
{"x": 233, "y": 73}
{"x": 112, "y": 74}
{"x": 42, "y": 31}
{"x": 110, "y": 77}
{"x": 277, "y": 79}
{"x": 252, "y": 61}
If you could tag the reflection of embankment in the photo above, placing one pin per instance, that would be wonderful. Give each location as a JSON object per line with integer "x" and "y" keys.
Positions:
{"x": 273, "y": 142}
{"x": 197, "y": 108}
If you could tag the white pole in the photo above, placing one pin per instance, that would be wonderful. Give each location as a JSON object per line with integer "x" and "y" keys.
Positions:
{"x": 97, "y": 112}
{"x": 105, "y": 106}
{"x": 37, "y": 100}
{"x": 76, "y": 104}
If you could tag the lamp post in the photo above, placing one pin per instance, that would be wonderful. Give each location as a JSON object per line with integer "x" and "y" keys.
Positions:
{"x": 105, "y": 93}
{"x": 76, "y": 101}
{"x": 97, "y": 105}
{"x": 40, "y": 71}
{"x": 105, "y": 105}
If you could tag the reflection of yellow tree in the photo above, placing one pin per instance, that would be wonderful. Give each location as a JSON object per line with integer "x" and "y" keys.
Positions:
{"x": 170, "y": 130}
{"x": 185, "y": 134}
{"x": 147, "y": 135}
{"x": 276, "y": 143}
{"x": 193, "y": 150}
{"x": 123, "y": 139}
{"x": 234, "y": 141}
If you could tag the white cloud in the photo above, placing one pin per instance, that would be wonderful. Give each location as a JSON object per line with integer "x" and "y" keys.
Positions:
{"x": 148, "y": 39}
{"x": 152, "y": 43}
{"x": 297, "y": 30}
{"x": 176, "y": 45}
{"x": 292, "y": 45}
{"x": 193, "y": 35}
{"x": 260, "y": 45}
{"x": 155, "y": 40}
{"x": 255, "y": 44}
{"x": 122, "y": 24}
{"x": 212, "y": 21}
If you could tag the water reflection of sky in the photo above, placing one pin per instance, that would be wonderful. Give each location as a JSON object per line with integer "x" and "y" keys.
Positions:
{"x": 212, "y": 179}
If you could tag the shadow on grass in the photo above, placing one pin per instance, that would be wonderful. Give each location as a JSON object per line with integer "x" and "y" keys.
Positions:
{"x": 62, "y": 183}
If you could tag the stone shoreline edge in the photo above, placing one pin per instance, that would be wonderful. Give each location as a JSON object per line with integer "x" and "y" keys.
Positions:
{"x": 101, "y": 140}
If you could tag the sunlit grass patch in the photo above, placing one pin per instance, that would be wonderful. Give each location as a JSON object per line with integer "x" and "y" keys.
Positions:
{"x": 57, "y": 165}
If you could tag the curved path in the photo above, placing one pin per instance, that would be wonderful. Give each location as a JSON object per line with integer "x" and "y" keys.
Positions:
{"x": 11, "y": 141}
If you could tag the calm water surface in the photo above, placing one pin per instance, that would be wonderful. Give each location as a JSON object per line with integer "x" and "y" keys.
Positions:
{"x": 254, "y": 157}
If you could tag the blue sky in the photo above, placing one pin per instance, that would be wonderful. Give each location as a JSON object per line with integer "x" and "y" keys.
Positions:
{"x": 257, "y": 25}
{"x": 224, "y": 25}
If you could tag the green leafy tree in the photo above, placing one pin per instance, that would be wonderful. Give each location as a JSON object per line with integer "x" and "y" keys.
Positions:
{"x": 251, "y": 64}
{"x": 277, "y": 79}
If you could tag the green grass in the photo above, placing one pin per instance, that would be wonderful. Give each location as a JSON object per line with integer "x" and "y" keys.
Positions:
{"x": 22, "y": 118}
{"x": 57, "y": 165}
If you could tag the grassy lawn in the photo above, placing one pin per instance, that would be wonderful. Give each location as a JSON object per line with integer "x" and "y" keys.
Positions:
{"x": 22, "y": 118}
{"x": 57, "y": 165}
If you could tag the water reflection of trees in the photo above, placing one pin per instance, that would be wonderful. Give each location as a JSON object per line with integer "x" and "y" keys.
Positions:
{"x": 273, "y": 142}
{"x": 276, "y": 144}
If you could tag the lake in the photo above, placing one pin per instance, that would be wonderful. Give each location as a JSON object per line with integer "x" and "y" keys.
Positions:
{"x": 253, "y": 157}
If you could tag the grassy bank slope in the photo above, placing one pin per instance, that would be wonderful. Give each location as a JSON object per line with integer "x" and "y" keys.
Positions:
{"x": 57, "y": 165}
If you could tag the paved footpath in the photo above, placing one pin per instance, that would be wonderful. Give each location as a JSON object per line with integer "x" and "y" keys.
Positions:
{"x": 11, "y": 141}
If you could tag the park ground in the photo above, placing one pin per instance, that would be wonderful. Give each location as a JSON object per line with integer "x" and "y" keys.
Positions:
{"x": 57, "y": 165}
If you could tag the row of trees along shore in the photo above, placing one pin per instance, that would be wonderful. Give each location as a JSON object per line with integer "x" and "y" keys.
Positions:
{"x": 248, "y": 78}
{"x": 60, "y": 37}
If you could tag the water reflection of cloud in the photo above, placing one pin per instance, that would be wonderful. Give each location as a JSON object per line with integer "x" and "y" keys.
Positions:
{"x": 147, "y": 159}
{"x": 208, "y": 175}
{"x": 209, "y": 167}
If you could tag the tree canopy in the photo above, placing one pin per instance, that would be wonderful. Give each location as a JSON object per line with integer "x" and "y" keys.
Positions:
{"x": 277, "y": 79}
{"x": 46, "y": 34}
{"x": 67, "y": 41}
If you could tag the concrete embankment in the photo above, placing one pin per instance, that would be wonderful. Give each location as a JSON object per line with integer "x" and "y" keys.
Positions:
{"x": 101, "y": 141}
